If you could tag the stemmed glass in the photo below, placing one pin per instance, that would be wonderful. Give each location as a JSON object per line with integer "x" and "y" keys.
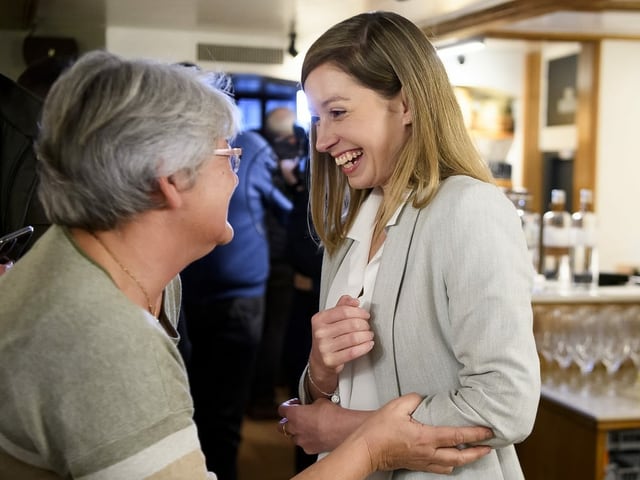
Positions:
{"x": 615, "y": 341}
{"x": 585, "y": 346}
{"x": 543, "y": 334}
{"x": 562, "y": 321}
{"x": 551, "y": 340}
{"x": 632, "y": 321}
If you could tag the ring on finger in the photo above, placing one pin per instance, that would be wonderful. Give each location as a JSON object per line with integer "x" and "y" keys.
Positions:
{"x": 283, "y": 427}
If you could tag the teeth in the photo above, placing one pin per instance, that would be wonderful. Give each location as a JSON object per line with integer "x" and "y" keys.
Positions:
{"x": 347, "y": 157}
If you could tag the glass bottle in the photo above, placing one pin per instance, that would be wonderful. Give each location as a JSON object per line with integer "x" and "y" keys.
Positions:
{"x": 556, "y": 240}
{"x": 584, "y": 241}
{"x": 530, "y": 224}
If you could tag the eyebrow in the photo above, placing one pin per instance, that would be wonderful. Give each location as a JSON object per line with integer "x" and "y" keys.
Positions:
{"x": 334, "y": 98}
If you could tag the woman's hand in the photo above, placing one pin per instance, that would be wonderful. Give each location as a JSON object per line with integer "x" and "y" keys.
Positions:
{"x": 395, "y": 440}
{"x": 339, "y": 335}
{"x": 320, "y": 426}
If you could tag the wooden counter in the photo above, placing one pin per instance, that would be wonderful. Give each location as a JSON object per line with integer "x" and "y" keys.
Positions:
{"x": 570, "y": 437}
{"x": 551, "y": 293}
{"x": 575, "y": 423}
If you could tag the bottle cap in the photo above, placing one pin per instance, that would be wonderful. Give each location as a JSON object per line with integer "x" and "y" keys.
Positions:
{"x": 558, "y": 196}
{"x": 586, "y": 195}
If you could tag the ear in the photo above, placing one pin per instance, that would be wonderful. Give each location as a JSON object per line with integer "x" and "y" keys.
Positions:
{"x": 170, "y": 191}
{"x": 407, "y": 116}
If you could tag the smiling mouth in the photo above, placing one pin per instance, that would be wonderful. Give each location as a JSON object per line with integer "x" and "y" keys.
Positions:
{"x": 347, "y": 158}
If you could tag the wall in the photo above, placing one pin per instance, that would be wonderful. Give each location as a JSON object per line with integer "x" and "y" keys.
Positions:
{"x": 11, "y": 63}
{"x": 499, "y": 67}
{"x": 180, "y": 45}
{"x": 618, "y": 155}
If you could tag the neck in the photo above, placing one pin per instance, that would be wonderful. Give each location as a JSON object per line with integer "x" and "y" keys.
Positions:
{"x": 128, "y": 274}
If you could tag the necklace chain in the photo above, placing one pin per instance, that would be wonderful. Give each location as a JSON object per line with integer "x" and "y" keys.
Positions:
{"x": 128, "y": 272}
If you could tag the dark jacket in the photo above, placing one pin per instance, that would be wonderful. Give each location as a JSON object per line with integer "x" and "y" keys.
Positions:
{"x": 19, "y": 205}
{"x": 241, "y": 268}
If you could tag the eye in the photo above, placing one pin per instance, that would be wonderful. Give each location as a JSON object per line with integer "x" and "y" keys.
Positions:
{"x": 336, "y": 113}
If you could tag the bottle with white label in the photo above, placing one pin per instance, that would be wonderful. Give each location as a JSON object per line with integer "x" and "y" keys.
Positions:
{"x": 556, "y": 239}
{"x": 584, "y": 241}
{"x": 530, "y": 224}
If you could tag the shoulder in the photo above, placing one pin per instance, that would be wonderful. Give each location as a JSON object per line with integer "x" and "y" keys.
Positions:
{"x": 461, "y": 194}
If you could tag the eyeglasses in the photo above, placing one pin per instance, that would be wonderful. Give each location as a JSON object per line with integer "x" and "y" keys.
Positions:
{"x": 233, "y": 154}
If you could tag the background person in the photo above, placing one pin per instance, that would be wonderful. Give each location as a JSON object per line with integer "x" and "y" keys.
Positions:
{"x": 426, "y": 281}
{"x": 290, "y": 144}
{"x": 224, "y": 308}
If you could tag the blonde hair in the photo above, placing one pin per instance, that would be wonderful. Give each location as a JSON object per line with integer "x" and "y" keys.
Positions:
{"x": 387, "y": 53}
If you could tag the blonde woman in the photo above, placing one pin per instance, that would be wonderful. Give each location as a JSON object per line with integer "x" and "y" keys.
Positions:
{"x": 426, "y": 280}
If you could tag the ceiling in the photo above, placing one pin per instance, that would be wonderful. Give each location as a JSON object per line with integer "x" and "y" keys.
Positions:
{"x": 441, "y": 19}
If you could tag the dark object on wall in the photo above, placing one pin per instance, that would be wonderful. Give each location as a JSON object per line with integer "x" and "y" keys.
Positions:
{"x": 562, "y": 97}
{"x": 40, "y": 75}
{"x": 239, "y": 54}
{"x": 35, "y": 48}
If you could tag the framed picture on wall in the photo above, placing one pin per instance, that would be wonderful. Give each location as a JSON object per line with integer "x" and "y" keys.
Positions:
{"x": 562, "y": 97}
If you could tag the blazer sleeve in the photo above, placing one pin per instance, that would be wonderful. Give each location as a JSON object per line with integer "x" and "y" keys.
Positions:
{"x": 479, "y": 280}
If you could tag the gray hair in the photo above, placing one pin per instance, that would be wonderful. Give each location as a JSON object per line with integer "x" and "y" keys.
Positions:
{"x": 111, "y": 127}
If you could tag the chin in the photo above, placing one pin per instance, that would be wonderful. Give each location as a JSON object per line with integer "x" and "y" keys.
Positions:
{"x": 359, "y": 184}
{"x": 227, "y": 237}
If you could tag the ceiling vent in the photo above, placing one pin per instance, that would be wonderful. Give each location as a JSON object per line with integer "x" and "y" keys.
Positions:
{"x": 238, "y": 54}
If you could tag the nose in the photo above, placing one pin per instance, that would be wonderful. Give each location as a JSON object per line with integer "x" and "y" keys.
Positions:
{"x": 325, "y": 138}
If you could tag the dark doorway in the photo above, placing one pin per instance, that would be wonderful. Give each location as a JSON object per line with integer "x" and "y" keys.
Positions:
{"x": 557, "y": 173}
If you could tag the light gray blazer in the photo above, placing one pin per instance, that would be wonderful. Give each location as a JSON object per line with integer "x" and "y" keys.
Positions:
{"x": 451, "y": 312}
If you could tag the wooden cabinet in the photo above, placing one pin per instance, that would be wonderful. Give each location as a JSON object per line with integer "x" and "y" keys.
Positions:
{"x": 570, "y": 436}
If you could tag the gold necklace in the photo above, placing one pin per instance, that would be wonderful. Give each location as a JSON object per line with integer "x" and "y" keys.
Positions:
{"x": 128, "y": 272}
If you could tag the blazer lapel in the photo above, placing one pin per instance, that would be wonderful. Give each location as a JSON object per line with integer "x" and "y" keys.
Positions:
{"x": 385, "y": 297}
{"x": 330, "y": 266}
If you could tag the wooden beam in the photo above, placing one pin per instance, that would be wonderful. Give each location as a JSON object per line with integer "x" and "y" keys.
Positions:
{"x": 478, "y": 22}
{"x": 601, "y": 5}
{"x": 486, "y": 21}
{"x": 532, "y": 35}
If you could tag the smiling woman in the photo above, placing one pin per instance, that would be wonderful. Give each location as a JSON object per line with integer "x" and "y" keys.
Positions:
{"x": 426, "y": 279}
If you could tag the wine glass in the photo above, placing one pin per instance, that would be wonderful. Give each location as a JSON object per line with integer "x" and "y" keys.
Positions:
{"x": 562, "y": 320}
{"x": 632, "y": 321}
{"x": 543, "y": 334}
{"x": 614, "y": 341}
{"x": 585, "y": 346}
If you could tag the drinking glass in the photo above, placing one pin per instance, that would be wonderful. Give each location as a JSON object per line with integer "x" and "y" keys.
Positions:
{"x": 584, "y": 346}
{"x": 614, "y": 340}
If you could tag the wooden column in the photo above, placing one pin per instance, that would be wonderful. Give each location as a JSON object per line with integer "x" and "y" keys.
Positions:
{"x": 588, "y": 83}
{"x": 532, "y": 157}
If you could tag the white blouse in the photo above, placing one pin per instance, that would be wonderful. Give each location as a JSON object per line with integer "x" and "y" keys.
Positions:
{"x": 356, "y": 277}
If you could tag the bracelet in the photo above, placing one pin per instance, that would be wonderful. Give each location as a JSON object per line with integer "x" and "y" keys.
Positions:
{"x": 314, "y": 383}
